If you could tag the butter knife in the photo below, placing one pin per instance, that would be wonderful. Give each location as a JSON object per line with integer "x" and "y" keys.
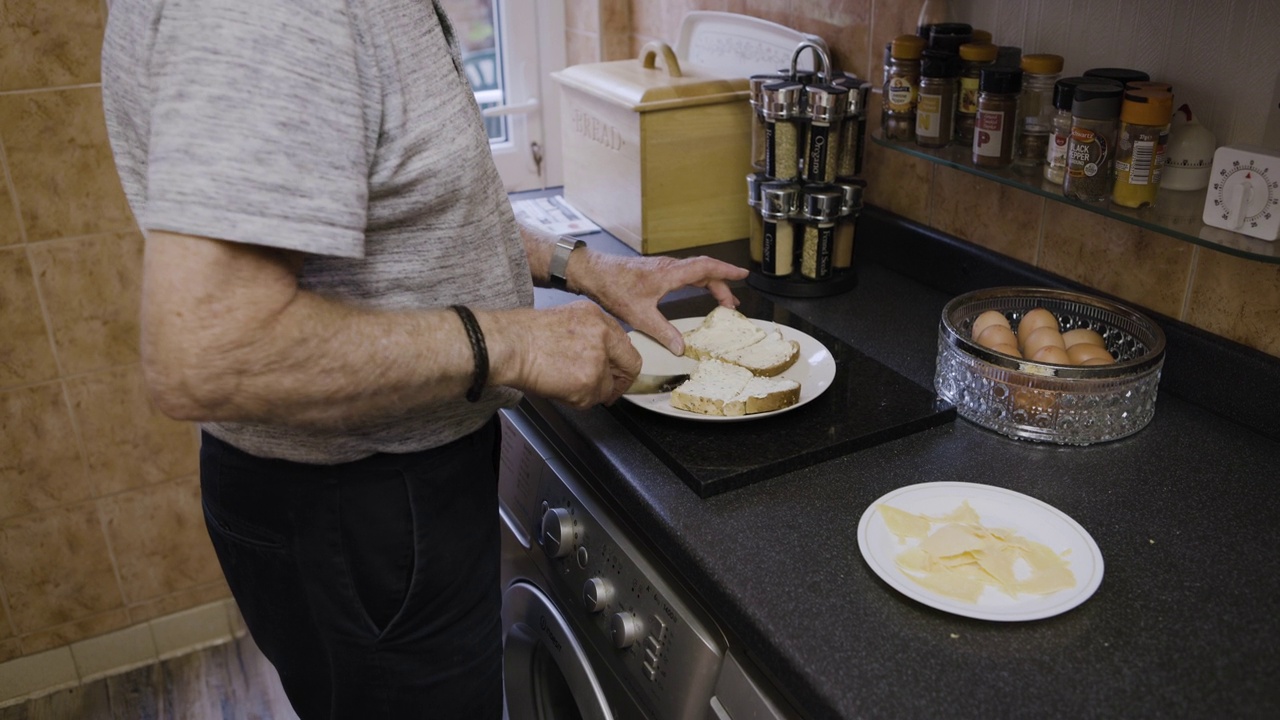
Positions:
{"x": 646, "y": 383}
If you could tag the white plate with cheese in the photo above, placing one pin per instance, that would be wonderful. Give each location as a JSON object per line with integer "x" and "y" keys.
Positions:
{"x": 1031, "y": 560}
{"x": 815, "y": 370}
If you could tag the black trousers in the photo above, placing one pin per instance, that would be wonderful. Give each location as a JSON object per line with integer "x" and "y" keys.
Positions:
{"x": 371, "y": 586}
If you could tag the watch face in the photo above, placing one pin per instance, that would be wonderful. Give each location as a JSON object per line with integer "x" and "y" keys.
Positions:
{"x": 1244, "y": 192}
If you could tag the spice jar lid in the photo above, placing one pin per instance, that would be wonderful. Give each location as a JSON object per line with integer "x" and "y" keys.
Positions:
{"x": 1064, "y": 90}
{"x": 1001, "y": 80}
{"x": 981, "y": 36}
{"x": 859, "y": 91}
{"x": 781, "y": 100}
{"x": 778, "y": 200}
{"x": 907, "y": 47}
{"x": 1149, "y": 85}
{"x": 1095, "y": 101}
{"x": 978, "y": 52}
{"x": 948, "y": 37}
{"x": 757, "y": 83}
{"x": 822, "y": 203}
{"x": 939, "y": 64}
{"x": 826, "y": 103}
{"x": 1147, "y": 107}
{"x": 1042, "y": 64}
{"x": 851, "y": 196}
{"x": 754, "y": 183}
{"x": 1009, "y": 56}
{"x": 1124, "y": 75}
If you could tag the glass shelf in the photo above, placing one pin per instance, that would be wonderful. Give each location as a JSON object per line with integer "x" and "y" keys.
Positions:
{"x": 1176, "y": 213}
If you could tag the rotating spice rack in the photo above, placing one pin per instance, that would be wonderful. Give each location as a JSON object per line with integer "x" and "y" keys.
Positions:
{"x": 1176, "y": 213}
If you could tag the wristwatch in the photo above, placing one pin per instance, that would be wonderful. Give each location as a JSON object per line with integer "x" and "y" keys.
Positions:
{"x": 560, "y": 261}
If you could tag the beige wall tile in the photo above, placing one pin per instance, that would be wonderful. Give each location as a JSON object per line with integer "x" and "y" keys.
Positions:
{"x": 114, "y": 652}
{"x": 181, "y": 600}
{"x": 40, "y": 461}
{"x": 67, "y": 633}
{"x": 25, "y": 353}
{"x": 128, "y": 443}
{"x": 898, "y": 182}
{"x": 56, "y": 568}
{"x": 890, "y": 19}
{"x": 581, "y": 48}
{"x": 198, "y": 627}
{"x": 92, "y": 290}
{"x": 845, "y": 25}
{"x": 158, "y": 538}
{"x": 1237, "y": 298}
{"x": 583, "y": 15}
{"x": 37, "y": 674}
{"x": 9, "y": 649}
{"x": 986, "y": 212}
{"x": 61, "y": 164}
{"x": 50, "y": 44}
{"x": 10, "y": 228}
{"x": 1123, "y": 260}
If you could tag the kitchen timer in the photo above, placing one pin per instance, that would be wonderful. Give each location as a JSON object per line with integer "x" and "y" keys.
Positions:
{"x": 1244, "y": 191}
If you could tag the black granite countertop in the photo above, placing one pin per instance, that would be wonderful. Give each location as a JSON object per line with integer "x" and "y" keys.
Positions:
{"x": 1185, "y": 514}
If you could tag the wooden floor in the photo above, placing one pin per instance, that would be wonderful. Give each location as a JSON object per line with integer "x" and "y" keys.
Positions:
{"x": 231, "y": 681}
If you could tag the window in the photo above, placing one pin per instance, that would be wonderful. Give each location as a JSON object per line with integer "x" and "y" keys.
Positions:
{"x": 509, "y": 48}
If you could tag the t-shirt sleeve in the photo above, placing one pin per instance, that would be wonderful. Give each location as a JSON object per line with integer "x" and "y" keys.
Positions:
{"x": 258, "y": 132}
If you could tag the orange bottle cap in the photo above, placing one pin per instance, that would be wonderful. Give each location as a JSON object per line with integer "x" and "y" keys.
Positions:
{"x": 979, "y": 52}
{"x": 1147, "y": 107}
{"x": 907, "y": 47}
{"x": 1043, "y": 64}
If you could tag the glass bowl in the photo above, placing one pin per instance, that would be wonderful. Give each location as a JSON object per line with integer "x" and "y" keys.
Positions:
{"x": 1046, "y": 402}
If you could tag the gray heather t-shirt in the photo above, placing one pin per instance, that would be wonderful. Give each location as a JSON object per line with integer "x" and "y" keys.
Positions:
{"x": 341, "y": 128}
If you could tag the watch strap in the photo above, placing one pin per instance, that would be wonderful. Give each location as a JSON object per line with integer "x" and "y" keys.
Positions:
{"x": 560, "y": 261}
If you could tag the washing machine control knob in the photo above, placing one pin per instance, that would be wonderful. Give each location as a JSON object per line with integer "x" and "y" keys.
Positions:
{"x": 557, "y": 532}
{"x": 626, "y": 628}
{"x": 597, "y": 593}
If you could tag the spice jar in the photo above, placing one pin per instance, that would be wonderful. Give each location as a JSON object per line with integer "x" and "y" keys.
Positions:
{"x": 1039, "y": 74}
{"x": 782, "y": 127}
{"x": 756, "y": 84}
{"x": 846, "y": 223}
{"x": 755, "y": 233}
{"x": 821, "y": 208}
{"x": 1095, "y": 110}
{"x": 901, "y": 84}
{"x": 1140, "y": 146}
{"x": 1120, "y": 75}
{"x": 973, "y": 57}
{"x": 1055, "y": 161}
{"x": 936, "y": 105}
{"x": 853, "y": 126}
{"x": 948, "y": 37}
{"x": 826, "y": 106}
{"x": 778, "y": 238}
{"x": 996, "y": 124}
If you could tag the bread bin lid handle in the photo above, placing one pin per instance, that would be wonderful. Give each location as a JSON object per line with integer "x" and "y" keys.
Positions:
{"x": 649, "y": 58}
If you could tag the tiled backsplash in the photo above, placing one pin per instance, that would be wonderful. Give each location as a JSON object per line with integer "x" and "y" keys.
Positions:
{"x": 100, "y": 525}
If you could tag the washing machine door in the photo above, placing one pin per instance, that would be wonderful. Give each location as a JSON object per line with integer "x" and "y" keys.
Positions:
{"x": 546, "y": 672}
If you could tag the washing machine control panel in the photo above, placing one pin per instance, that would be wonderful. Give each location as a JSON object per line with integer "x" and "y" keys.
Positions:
{"x": 619, "y": 602}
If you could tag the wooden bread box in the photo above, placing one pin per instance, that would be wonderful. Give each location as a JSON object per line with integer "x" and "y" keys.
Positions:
{"x": 657, "y": 157}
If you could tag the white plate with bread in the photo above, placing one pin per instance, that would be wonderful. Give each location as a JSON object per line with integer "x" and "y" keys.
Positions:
{"x": 741, "y": 368}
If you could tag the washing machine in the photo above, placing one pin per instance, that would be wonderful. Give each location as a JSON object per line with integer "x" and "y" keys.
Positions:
{"x": 592, "y": 627}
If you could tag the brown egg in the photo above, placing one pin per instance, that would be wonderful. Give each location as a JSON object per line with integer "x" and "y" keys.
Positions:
{"x": 1039, "y": 338}
{"x": 997, "y": 335}
{"x": 1082, "y": 353}
{"x": 1052, "y": 354}
{"x": 1098, "y": 361}
{"x": 986, "y": 320}
{"x": 1007, "y": 349}
{"x": 1083, "y": 335}
{"x": 1034, "y": 319}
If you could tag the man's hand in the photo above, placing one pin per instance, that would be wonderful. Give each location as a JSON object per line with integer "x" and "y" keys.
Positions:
{"x": 632, "y": 287}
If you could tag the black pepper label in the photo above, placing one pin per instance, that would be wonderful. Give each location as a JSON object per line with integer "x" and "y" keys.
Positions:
{"x": 1088, "y": 153}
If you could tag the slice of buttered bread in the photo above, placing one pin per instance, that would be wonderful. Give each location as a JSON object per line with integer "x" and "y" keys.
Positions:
{"x": 726, "y": 334}
{"x": 721, "y": 388}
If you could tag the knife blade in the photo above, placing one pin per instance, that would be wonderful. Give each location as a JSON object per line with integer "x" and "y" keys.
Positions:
{"x": 647, "y": 384}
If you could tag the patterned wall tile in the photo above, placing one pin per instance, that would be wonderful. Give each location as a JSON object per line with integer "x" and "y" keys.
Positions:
{"x": 845, "y": 25}
{"x": 61, "y": 164}
{"x": 127, "y": 441}
{"x": 25, "y": 353}
{"x": 56, "y": 568}
{"x": 1237, "y": 298}
{"x": 50, "y": 44}
{"x": 180, "y": 600}
{"x": 158, "y": 538}
{"x": 80, "y": 629}
{"x": 92, "y": 289}
{"x": 40, "y": 461}
{"x": 988, "y": 213}
{"x": 898, "y": 182}
{"x": 1123, "y": 260}
{"x": 10, "y": 228}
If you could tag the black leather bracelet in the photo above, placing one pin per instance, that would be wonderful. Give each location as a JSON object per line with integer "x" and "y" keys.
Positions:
{"x": 478, "y": 351}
